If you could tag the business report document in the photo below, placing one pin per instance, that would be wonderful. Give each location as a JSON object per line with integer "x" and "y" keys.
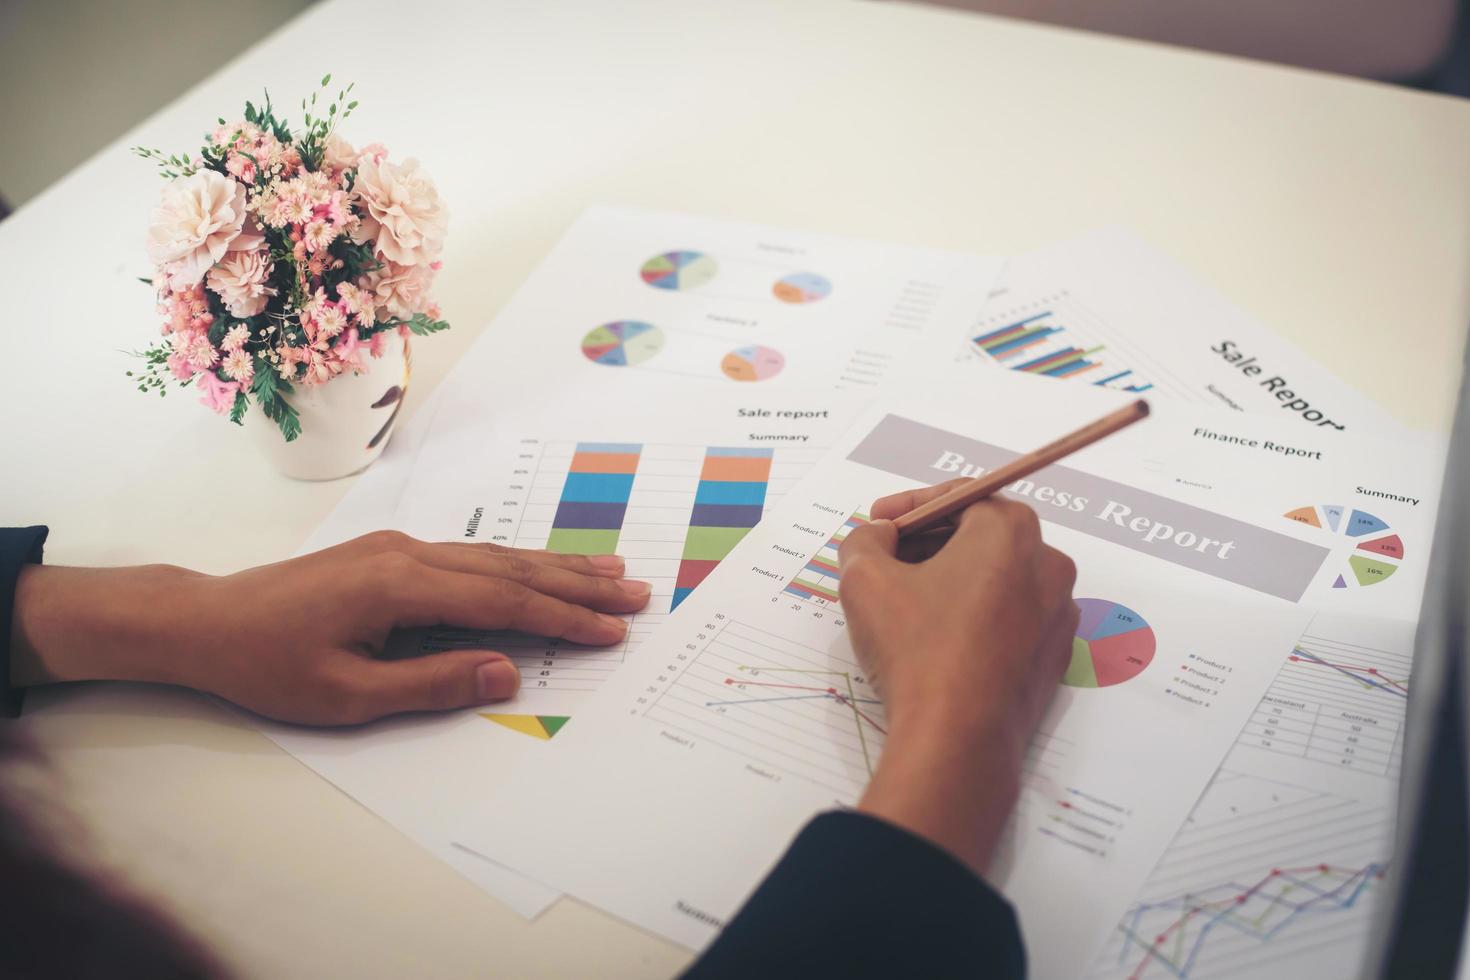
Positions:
{"x": 1192, "y": 592}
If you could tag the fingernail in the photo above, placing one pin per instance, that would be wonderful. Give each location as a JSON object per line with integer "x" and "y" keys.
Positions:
{"x": 612, "y": 564}
{"x": 620, "y": 624}
{"x": 497, "y": 680}
{"x": 634, "y": 587}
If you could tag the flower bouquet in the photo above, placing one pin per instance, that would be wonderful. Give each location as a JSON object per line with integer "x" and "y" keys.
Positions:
{"x": 287, "y": 260}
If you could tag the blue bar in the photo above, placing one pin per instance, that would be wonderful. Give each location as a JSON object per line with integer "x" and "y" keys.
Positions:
{"x": 730, "y": 492}
{"x": 607, "y": 488}
{"x": 1022, "y": 340}
{"x": 1010, "y": 326}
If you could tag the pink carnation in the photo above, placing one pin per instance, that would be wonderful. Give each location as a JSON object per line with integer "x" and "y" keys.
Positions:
{"x": 218, "y": 395}
{"x": 240, "y": 281}
{"x": 401, "y": 290}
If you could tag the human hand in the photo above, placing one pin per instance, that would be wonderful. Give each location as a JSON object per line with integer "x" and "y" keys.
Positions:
{"x": 966, "y": 642}
{"x": 295, "y": 640}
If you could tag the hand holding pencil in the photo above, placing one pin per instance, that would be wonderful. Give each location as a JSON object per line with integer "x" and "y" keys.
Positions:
{"x": 966, "y": 636}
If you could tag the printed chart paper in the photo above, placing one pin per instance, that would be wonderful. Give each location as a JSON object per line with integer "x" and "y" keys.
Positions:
{"x": 1108, "y": 311}
{"x": 629, "y": 295}
{"x": 1299, "y": 823}
{"x": 686, "y": 489}
{"x": 703, "y": 774}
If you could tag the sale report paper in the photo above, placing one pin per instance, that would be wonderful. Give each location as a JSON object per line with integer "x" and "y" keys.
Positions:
{"x": 704, "y": 764}
{"x": 1106, "y": 310}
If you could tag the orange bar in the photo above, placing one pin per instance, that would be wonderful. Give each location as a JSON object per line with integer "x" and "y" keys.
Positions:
{"x": 738, "y": 469}
{"x": 605, "y": 463}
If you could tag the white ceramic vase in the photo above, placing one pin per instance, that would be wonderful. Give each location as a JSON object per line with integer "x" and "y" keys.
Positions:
{"x": 345, "y": 423}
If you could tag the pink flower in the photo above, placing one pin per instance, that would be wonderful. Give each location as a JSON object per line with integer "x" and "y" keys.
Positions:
{"x": 240, "y": 280}
{"x": 402, "y": 214}
{"x": 400, "y": 290}
{"x": 349, "y": 350}
{"x": 218, "y": 395}
{"x": 331, "y": 321}
{"x": 376, "y": 151}
{"x": 200, "y": 218}
{"x": 354, "y": 300}
{"x": 200, "y": 353}
{"x": 338, "y": 154}
{"x": 318, "y": 235}
{"x": 240, "y": 366}
{"x": 179, "y": 366}
{"x": 237, "y": 337}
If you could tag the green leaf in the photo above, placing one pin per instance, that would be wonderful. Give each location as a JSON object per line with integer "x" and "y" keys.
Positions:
{"x": 237, "y": 410}
{"x": 326, "y": 78}
{"x": 422, "y": 326}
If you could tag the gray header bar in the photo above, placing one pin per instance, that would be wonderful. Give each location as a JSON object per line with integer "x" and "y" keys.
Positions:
{"x": 1220, "y": 546}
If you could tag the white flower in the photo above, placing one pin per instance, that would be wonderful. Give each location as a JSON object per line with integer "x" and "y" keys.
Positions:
{"x": 240, "y": 280}
{"x": 200, "y": 218}
{"x": 401, "y": 211}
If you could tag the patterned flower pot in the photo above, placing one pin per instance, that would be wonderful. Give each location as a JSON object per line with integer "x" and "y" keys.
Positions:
{"x": 345, "y": 423}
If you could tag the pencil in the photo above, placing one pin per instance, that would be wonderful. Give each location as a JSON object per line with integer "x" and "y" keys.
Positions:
{"x": 926, "y": 516}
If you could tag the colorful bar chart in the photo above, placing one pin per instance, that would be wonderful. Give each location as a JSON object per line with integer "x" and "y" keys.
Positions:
{"x": 1038, "y": 345}
{"x": 817, "y": 582}
{"x": 594, "y": 499}
{"x": 728, "y": 502}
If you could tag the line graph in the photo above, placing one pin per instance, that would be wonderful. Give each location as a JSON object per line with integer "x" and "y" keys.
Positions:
{"x": 785, "y": 706}
{"x": 849, "y": 700}
{"x": 1367, "y": 676}
{"x": 1265, "y": 880}
{"x": 1337, "y": 703}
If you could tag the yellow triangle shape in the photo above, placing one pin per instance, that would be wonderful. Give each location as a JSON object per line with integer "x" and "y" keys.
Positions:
{"x": 525, "y": 724}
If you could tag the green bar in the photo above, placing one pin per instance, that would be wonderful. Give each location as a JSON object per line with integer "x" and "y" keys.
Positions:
{"x": 712, "y": 543}
{"x": 582, "y": 541}
{"x": 1012, "y": 338}
{"x": 820, "y": 590}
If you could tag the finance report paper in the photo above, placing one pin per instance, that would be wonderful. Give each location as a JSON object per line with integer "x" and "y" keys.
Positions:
{"x": 1106, "y": 310}
{"x": 704, "y": 760}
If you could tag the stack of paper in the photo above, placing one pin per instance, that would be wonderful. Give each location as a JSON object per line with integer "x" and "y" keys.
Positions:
{"x": 718, "y": 402}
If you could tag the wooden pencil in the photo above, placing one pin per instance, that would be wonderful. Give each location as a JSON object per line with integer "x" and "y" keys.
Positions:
{"x": 940, "y": 508}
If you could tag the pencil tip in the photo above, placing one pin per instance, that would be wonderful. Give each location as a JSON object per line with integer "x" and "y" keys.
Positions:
{"x": 1143, "y": 408}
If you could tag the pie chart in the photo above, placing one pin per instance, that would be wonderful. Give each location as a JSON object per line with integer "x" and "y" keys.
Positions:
{"x": 1366, "y": 549}
{"x": 802, "y": 287}
{"x": 752, "y": 363}
{"x": 622, "y": 343}
{"x": 683, "y": 269}
{"x": 1113, "y": 644}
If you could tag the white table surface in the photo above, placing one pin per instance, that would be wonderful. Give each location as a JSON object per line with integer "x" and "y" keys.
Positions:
{"x": 1336, "y": 210}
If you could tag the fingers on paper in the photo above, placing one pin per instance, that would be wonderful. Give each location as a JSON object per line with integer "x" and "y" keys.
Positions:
{"x": 897, "y": 504}
{"x": 422, "y": 595}
{"x": 439, "y": 682}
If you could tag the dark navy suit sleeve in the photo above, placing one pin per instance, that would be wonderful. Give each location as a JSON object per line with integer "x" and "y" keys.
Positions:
{"x": 857, "y": 897}
{"x": 19, "y": 546}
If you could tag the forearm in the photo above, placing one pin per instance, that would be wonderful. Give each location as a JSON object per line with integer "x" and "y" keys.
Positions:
{"x": 950, "y": 776}
{"x": 74, "y": 624}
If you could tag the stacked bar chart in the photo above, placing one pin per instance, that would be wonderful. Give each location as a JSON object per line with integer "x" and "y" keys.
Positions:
{"x": 1037, "y": 344}
{"x": 728, "y": 502}
{"x": 817, "y": 582}
{"x": 594, "y": 499}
